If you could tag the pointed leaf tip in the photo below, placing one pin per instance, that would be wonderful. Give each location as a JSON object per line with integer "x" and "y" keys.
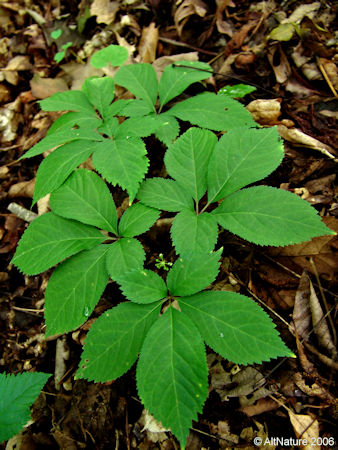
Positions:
{"x": 173, "y": 354}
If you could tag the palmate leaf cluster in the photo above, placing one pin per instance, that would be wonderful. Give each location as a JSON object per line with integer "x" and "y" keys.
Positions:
{"x": 91, "y": 127}
{"x": 172, "y": 371}
{"x": 165, "y": 323}
{"x": 81, "y": 208}
{"x": 202, "y": 166}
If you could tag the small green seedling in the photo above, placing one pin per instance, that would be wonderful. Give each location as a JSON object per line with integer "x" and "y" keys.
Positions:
{"x": 60, "y": 55}
{"x": 165, "y": 323}
{"x": 17, "y": 394}
{"x": 161, "y": 263}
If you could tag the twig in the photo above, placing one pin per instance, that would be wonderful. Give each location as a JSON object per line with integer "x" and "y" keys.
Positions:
{"x": 212, "y": 72}
{"x": 21, "y": 212}
{"x": 325, "y": 75}
{"x": 323, "y": 358}
{"x": 333, "y": 329}
{"x": 184, "y": 44}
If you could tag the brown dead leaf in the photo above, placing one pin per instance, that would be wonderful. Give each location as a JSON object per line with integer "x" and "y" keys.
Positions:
{"x": 62, "y": 354}
{"x": 301, "y": 312}
{"x": 104, "y": 10}
{"x": 223, "y": 26}
{"x": 155, "y": 430}
{"x": 265, "y": 112}
{"x": 5, "y": 93}
{"x": 307, "y": 365}
{"x": 313, "y": 389}
{"x": 321, "y": 249}
{"x": 299, "y": 89}
{"x": 10, "y": 118}
{"x": 187, "y": 9}
{"x": 319, "y": 323}
{"x": 323, "y": 185}
{"x": 45, "y": 87}
{"x": 19, "y": 63}
{"x": 247, "y": 381}
{"x": 161, "y": 63}
{"x": 331, "y": 71}
{"x": 306, "y": 428}
{"x": 10, "y": 238}
{"x": 299, "y": 138}
{"x": 301, "y": 11}
{"x": 222, "y": 429}
{"x": 262, "y": 405}
{"x": 249, "y": 434}
{"x": 4, "y": 171}
{"x": 16, "y": 64}
{"x": 22, "y": 189}
{"x": 80, "y": 72}
{"x": 237, "y": 40}
{"x": 282, "y": 70}
{"x": 148, "y": 43}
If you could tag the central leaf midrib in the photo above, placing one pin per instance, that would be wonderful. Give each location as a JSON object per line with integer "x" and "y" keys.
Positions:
{"x": 76, "y": 284}
{"x": 205, "y": 313}
{"x": 58, "y": 241}
{"x": 122, "y": 337}
{"x": 237, "y": 166}
{"x": 91, "y": 207}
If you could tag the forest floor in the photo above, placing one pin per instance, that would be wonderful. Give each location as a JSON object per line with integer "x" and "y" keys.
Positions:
{"x": 287, "y": 50}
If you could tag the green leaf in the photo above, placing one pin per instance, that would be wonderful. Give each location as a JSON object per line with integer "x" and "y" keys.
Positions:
{"x": 114, "y": 341}
{"x": 85, "y": 197}
{"x": 172, "y": 373}
{"x": 49, "y": 239}
{"x": 100, "y": 92}
{"x": 58, "y": 57}
{"x": 283, "y": 32}
{"x": 68, "y": 101}
{"x": 117, "y": 106}
{"x": 137, "y": 220}
{"x": 241, "y": 157}
{"x": 74, "y": 289}
{"x": 140, "y": 80}
{"x": 79, "y": 122}
{"x": 168, "y": 130}
{"x": 62, "y": 136}
{"x": 122, "y": 162}
{"x": 56, "y": 33}
{"x": 193, "y": 273}
{"x": 164, "y": 194}
{"x": 234, "y": 326}
{"x": 115, "y": 55}
{"x": 136, "y": 108}
{"x": 236, "y": 91}
{"x": 187, "y": 160}
{"x": 57, "y": 166}
{"x": 176, "y": 79}
{"x": 137, "y": 127}
{"x": 216, "y": 112}
{"x": 142, "y": 286}
{"x": 193, "y": 233}
{"x": 109, "y": 126}
{"x": 270, "y": 216}
{"x": 18, "y": 393}
{"x": 124, "y": 255}
{"x": 66, "y": 45}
